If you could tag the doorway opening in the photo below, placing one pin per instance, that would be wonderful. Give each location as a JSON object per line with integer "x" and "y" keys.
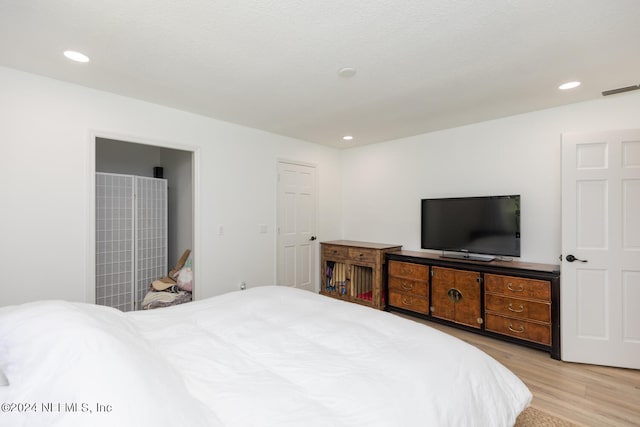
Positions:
{"x": 148, "y": 161}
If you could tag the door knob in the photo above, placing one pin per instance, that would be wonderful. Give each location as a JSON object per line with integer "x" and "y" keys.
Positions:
{"x": 312, "y": 238}
{"x": 571, "y": 258}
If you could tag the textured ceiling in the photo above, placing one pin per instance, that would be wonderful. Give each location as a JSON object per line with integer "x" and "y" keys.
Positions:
{"x": 422, "y": 65}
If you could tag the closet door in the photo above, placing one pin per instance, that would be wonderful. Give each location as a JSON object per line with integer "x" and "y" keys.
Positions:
{"x": 151, "y": 234}
{"x": 114, "y": 241}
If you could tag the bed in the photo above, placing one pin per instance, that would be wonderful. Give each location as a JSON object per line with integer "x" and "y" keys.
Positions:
{"x": 268, "y": 356}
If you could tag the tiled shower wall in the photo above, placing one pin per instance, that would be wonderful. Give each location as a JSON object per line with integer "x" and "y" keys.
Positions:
{"x": 131, "y": 238}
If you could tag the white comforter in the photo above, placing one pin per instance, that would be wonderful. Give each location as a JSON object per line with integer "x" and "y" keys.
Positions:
{"x": 269, "y": 356}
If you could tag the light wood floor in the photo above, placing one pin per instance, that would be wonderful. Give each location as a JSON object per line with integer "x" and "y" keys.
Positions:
{"x": 585, "y": 395}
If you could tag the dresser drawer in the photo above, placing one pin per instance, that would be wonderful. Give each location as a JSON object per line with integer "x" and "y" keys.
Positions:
{"x": 518, "y": 328}
{"x": 408, "y": 302}
{"x": 514, "y": 307}
{"x": 408, "y": 286}
{"x": 412, "y": 271}
{"x": 362, "y": 255}
{"x": 335, "y": 253}
{"x": 517, "y": 287}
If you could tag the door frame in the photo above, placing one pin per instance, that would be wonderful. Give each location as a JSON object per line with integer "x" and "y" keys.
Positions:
{"x": 316, "y": 261}
{"x": 90, "y": 249}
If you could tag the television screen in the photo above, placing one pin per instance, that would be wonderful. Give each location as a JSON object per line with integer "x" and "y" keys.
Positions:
{"x": 479, "y": 225}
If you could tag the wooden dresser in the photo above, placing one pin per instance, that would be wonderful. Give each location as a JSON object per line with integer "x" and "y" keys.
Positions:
{"x": 355, "y": 271}
{"x": 514, "y": 301}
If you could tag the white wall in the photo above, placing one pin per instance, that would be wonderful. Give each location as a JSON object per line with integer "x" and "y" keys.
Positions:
{"x": 45, "y": 166}
{"x": 370, "y": 193}
{"x": 178, "y": 171}
{"x": 126, "y": 158}
{"x": 383, "y": 183}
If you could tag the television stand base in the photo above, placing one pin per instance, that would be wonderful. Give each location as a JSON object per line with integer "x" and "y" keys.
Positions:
{"x": 468, "y": 256}
{"x": 514, "y": 301}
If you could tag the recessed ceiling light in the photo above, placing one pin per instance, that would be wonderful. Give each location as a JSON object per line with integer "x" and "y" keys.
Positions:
{"x": 347, "y": 137}
{"x": 76, "y": 56}
{"x": 347, "y": 72}
{"x": 569, "y": 85}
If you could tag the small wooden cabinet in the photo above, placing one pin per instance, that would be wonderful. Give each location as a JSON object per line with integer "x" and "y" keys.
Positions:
{"x": 514, "y": 301}
{"x": 355, "y": 271}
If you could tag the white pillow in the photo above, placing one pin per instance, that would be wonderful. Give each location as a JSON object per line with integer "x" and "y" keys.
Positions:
{"x": 69, "y": 353}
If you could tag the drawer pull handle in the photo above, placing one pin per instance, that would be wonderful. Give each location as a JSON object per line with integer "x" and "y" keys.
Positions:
{"x": 407, "y": 286}
{"x": 520, "y": 310}
{"x": 406, "y": 301}
{"x": 454, "y": 295}
{"x": 517, "y": 331}
{"x": 510, "y": 287}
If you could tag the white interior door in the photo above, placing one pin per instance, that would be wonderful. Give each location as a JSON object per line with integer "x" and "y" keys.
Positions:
{"x": 600, "y": 288}
{"x": 296, "y": 227}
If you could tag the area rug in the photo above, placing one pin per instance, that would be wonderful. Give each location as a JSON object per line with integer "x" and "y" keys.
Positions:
{"x": 532, "y": 417}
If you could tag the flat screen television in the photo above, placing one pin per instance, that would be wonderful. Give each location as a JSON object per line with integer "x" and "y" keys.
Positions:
{"x": 476, "y": 228}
